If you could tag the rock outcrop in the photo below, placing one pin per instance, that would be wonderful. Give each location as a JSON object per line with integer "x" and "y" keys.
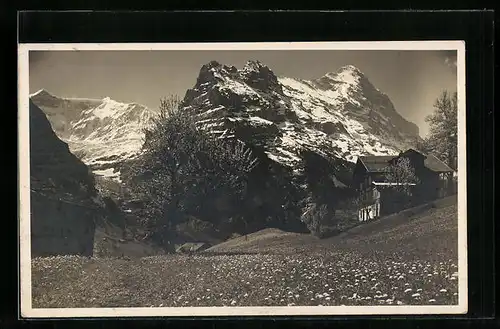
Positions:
{"x": 63, "y": 210}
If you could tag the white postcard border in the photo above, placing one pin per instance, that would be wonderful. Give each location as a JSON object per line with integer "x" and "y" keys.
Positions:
{"x": 24, "y": 185}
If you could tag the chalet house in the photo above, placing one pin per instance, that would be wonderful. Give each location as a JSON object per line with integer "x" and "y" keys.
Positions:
{"x": 378, "y": 196}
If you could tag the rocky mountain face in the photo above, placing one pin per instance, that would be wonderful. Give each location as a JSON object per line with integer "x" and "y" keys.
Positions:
{"x": 63, "y": 196}
{"x": 338, "y": 116}
{"x": 102, "y": 133}
{"x": 53, "y": 168}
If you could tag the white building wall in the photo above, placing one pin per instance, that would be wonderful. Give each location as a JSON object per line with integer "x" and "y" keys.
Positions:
{"x": 371, "y": 211}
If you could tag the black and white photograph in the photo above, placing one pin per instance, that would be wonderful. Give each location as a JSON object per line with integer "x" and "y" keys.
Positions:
{"x": 210, "y": 179}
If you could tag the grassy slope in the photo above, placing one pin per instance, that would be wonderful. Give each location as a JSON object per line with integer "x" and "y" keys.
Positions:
{"x": 377, "y": 263}
{"x": 269, "y": 240}
{"x": 430, "y": 229}
{"x": 109, "y": 241}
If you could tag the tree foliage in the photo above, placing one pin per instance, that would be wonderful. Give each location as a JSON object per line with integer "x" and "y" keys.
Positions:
{"x": 185, "y": 171}
{"x": 317, "y": 218}
{"x": 329, "y": 205}
{"x": 324, "y": 220}
{"x": 402, "y": 174}
{"x": 442, "y": 139}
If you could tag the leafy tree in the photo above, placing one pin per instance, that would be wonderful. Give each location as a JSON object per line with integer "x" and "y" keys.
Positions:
{"x": 401, "y": 175}
{"x": 184, "y": 170}
{"x": 317, "y": 218}
{"x": 347, "y": 213}
{"x": 422, "y": 146}
{"x": 442, "y": 138}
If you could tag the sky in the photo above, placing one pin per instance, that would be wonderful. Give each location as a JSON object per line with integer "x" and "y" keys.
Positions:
{"x": 412, "y": 79}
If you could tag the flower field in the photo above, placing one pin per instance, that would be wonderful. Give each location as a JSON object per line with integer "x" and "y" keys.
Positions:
{"x": 410, "y": 263}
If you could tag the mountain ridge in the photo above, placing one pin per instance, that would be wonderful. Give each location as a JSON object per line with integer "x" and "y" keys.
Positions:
{"x": 102, "y": 132}
{"x": 299, "y": 114}
{"x": 340, "y": 115}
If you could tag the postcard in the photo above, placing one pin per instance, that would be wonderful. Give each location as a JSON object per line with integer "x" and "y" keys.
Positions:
{"x": 235, "y": 179}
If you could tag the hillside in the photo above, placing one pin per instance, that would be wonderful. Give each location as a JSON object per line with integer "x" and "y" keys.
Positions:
{"x": 427, "y": 222}
{"x": 411, "y": 260}
{"x": 268, "y": 240}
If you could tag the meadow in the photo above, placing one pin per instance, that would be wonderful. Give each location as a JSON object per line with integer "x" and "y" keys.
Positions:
{"x": 409, "y": 261}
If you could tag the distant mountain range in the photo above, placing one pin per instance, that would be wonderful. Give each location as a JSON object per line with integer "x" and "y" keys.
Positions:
{"x": 101, "y": 132}
{"x": 340, "y": 115}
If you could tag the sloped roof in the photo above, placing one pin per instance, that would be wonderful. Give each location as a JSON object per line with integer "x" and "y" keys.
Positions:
{"x": 376, "y": 163}
{"x": 436, "y": 165}
{"x": 392, "y": 184}
{"x": 410, "y": 150}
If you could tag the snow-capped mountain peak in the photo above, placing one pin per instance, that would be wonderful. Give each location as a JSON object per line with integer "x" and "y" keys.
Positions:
{"x": 259, "y": 76}
{"x": 101, "y": 132}
{"x": 254, "y": 67}
{"x": 41, "y": 93}
{"x": 350, "y": 69}
{"x": 346, "y": 74}
{"x": 340, "y": 115}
